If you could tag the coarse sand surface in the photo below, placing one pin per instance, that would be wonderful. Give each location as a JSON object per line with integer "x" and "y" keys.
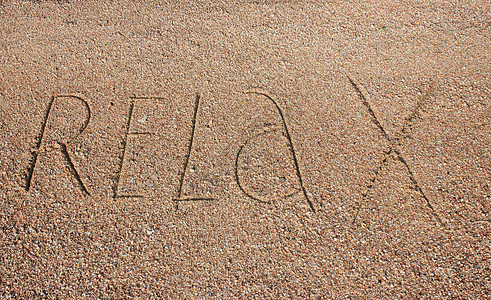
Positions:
{"x": 245, "y": 149}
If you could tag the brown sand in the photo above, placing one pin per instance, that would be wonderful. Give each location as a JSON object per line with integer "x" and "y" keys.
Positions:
{"x": 383, "y": 110}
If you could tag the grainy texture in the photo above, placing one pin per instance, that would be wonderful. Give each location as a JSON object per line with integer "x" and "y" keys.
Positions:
{"x": 153, "y": 149}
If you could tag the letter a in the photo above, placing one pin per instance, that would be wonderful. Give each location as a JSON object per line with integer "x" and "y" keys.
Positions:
{"x": 290, "y": 147}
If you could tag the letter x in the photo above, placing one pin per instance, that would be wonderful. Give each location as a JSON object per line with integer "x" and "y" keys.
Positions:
{"x": 394, "y": 145}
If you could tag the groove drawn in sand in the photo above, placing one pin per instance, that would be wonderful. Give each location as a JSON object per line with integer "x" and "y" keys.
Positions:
{"x": 71, "y": 166}
{"x": 34, "y": 153}
{"x": 237, "y": 177}
{"x": 123, "y": 153}
{"x": 394, "y": 144}
{"x": 290, "y": 146}
{"x": 186, "y": 160}
{"x": 61, "y": 145}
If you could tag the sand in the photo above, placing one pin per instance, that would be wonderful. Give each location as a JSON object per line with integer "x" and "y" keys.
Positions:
{"x": 245, "y": 149}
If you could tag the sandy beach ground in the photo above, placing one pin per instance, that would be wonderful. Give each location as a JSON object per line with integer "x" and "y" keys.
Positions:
{"x": 245, "y": 149}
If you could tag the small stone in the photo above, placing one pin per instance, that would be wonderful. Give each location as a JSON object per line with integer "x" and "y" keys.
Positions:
{"x": 143, "y": 120}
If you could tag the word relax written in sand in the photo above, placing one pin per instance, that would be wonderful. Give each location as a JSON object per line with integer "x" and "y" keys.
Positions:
{"x": 393, "y": 151}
